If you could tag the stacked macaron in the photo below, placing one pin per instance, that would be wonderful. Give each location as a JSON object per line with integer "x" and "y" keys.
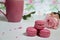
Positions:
{"x": 39, "y": 24}
{"x": 44, "y": 33}
{"x": 38, "y": 29}
{"x": 31, "y": 31}
{"x": 51, "y": 21}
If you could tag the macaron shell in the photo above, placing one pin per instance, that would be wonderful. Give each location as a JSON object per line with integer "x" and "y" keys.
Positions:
{"x": 39, "y": 24}
{"x": 31, "y": 31}
{"x": 44, "y": 33}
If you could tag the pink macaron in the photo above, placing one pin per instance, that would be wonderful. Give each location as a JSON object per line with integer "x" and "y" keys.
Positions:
{"x": 45, "y": 33}
{"x": 31, "y": 31}
{"x": 39, "y": 24}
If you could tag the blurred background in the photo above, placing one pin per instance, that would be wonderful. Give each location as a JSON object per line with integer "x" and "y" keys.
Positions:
{"x": 42, "y": 6}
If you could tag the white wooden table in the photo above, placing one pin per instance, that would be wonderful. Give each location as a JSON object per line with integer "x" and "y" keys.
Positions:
{"x": 10, "y": 31}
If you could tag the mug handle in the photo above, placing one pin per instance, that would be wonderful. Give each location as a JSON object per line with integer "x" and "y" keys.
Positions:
{"x": 1, "y": 10}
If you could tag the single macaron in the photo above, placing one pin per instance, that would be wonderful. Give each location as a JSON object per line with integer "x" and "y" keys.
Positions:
{"x": 45, "y": 33}
{"x": 39, "y": 24}
{"x": 31, "y": 31}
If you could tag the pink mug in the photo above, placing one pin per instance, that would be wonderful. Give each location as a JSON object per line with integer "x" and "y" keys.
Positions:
{"x": 14, "y": 10}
